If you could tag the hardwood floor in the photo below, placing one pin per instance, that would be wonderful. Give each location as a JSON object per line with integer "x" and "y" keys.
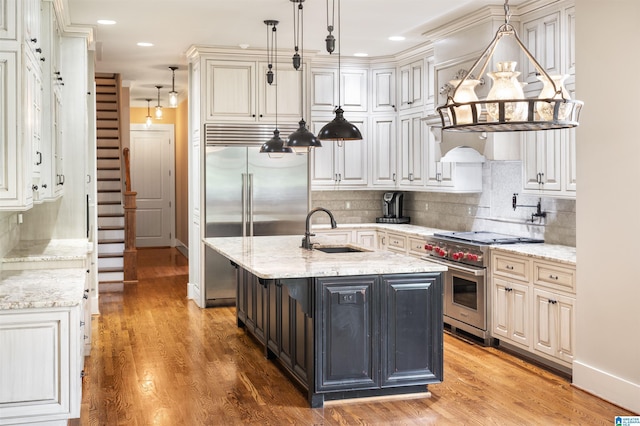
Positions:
{"x": 158, "y": 359}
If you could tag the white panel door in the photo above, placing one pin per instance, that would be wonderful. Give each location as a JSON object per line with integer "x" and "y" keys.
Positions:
{"x": 152, "y": 177}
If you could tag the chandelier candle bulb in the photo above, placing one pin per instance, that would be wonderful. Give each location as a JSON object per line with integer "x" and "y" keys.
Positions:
{"x": 552, "y": 89}
{"x": 506, "y": 86}
{"x": 466, "y": 92}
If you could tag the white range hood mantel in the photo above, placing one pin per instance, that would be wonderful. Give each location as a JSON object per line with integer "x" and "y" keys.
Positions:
{"x": 473, "y": 147}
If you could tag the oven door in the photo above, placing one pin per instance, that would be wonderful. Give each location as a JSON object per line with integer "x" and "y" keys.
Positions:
{"x": 464, "y": 295}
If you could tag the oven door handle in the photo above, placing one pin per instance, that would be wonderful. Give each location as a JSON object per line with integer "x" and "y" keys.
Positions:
{"x": 480, "y": 272}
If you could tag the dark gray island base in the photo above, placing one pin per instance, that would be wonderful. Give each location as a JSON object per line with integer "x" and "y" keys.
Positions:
{"x": 344, "y": 336}
{"x": 348, "y": 337}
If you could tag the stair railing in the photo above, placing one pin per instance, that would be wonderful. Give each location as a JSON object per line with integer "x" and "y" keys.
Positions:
{"x": 130, "y": 255}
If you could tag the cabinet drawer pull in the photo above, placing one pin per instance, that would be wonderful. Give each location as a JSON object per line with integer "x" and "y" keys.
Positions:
{"x": 81, "y": 323}
{"x": 553, "y": 277}
{"x": 509, "y": 267}
{"x": 553, "y": 302}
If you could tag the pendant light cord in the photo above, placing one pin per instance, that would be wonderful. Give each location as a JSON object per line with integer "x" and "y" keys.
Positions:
{"x": 339, "y": 54}
{"x": 274, "y": 44}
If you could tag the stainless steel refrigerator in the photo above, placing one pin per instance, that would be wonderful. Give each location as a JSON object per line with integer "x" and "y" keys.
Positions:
{"x": 249, "y": 194}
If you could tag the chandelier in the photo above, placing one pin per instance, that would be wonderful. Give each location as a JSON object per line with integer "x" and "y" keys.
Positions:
{"x": 505, "y": 108}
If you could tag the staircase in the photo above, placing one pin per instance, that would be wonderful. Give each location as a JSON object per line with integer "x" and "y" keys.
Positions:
{"x": 111, "y": 217}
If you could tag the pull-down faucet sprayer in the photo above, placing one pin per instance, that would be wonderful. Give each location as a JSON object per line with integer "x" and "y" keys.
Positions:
{"x": 306, "y": 241}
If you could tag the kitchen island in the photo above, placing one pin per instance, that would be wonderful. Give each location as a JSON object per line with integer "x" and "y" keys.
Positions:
{"x": 343, "y": 325}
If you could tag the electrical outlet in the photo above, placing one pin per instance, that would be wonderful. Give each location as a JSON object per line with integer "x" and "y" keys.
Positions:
{"x": 20, "y": 219}
{"x": 348, "y": 205}
{"x": 469, "y": 211}
{"x": 426, "y": 207}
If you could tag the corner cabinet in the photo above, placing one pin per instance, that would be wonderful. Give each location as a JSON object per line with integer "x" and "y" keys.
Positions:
{"x": 353, "y": 336}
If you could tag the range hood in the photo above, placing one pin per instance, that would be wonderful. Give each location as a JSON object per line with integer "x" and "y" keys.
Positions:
{"x": 473, "y": 147}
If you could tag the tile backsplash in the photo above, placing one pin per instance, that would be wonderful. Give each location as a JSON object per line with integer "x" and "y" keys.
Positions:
{"x": 9, "y": 232}
{"x": 490, "y": 210}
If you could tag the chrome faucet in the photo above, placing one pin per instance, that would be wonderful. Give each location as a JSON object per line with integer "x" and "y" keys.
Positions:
{"x": 306, "y": 241}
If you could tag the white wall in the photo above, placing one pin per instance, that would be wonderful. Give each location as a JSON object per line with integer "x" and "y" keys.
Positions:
{"x": 608, "y": 206}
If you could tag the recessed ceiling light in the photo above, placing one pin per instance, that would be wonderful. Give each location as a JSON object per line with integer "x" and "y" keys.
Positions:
{"x": 243, "y": 46}
{"x": 106, "y": 22}
{"x": 361, "y": 54}
{"x": 396, "y": 38}
{"x": 145, "y": 44}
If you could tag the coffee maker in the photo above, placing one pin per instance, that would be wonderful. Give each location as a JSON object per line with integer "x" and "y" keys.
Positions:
{"x": 392, "y": 208}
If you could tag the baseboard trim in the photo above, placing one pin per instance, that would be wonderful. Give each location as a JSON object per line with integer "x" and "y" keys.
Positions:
{"x": 602, "y": 384}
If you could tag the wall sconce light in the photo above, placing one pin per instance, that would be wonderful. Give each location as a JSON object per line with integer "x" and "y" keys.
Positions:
{"x": 158, "y": 107}
{"x": 173, "y": 95}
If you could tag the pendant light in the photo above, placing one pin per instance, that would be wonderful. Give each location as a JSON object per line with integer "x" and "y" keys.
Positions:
{"x": 274, "y": 146}
{"x": 173, "y": 95}
{"x": 506, "y": 109}
{"x": 158, "y": 107}
{"x": 149, "y": 120}
{"x": 338, "y": 129}
{"x": 302, "y": 139}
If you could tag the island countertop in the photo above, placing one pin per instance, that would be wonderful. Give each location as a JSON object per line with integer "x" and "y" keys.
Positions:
{"x": 273, "y": 257}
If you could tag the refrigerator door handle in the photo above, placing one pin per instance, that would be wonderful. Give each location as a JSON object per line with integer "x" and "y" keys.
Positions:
{"x": 244, "y": 205}
{"x": 250, "y": 215}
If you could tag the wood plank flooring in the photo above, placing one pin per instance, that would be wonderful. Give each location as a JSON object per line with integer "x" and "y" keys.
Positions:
{"x": 158, "y": 359}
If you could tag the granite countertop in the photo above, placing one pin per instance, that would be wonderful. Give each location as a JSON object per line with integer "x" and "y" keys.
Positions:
{"x": 43, "y": 288}
{"x": 48, "y": 250}
{"x": 551, "y": 252}
{"x": 282, "y": 257}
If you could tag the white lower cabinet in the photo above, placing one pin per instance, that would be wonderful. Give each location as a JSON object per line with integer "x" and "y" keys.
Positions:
{"x": 533, "y": 306}
{"x": 41, "y": 361}
{"x": 367, "y": 238}
{"x": 554, "y": 322}
{"x": 511, "y": 312}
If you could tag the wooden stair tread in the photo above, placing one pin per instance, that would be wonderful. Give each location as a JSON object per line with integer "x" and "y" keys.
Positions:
{"x": 109, "y": 203}
{"x": 112, "y": 191}
{"x": 111, "y": 269}
{"x": 110, "y": 214}
{"x": 110, "y": 228}
{"x": 110, "y": 255}
{"x": 118, "y": 241}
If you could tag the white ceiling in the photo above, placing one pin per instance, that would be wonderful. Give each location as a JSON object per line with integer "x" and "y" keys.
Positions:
{"x": 174, "y": 25}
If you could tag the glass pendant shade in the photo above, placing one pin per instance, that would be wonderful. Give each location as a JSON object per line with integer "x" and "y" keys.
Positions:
{"x": 339, "y": 129}
{"x": 149, "y": 119}
{"x": 275, "y": 146}
{"x": 302, "y": 139}
{"x": 506, "y": 86}
{"x": 158, "y": 107}
{"x": 173, "y": 99}
{"x": 465, "y": 93}
{"x": 553, "y": 89}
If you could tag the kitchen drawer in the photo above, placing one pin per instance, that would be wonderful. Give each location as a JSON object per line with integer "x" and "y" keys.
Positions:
{"x": 511, "y": 267}
{"x": 397, "y": 243}
{"x": 416, "y": 247}
{"x": 555, "y": 276}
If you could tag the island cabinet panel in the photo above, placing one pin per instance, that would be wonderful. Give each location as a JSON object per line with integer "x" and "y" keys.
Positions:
{"x": 347, "y": 330}
{"x": 412, "y": 329}
{"x": 255, "y": 294}
{"x": 289, "y": 327}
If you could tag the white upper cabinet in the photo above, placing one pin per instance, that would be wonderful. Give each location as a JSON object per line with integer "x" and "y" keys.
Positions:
{"x": 411, "y": 79}
{"x": 541, "y": 160}
{"x": 31, "y": 26}
{"x": 8, "y": 20}
{"x": 541, "y": 36}
{"x": 344, "y": 165}
{"x": 412, "y": 151}
{"x": 353, "y": 89}
{"x": 384, "y": 149}
{"x": 384, "y": 90}
{"x": 230, "y": 91}
{"x": 287, "y": 84}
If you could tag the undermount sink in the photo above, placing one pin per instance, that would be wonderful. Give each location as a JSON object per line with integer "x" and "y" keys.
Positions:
{"x": 339, "y": 249}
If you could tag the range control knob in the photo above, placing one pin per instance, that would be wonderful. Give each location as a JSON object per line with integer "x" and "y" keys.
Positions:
{"x": 440, "y": 252}
{"x": 471, "y": 256}
{"x": 458, "y": 255}
{"x": 428, "y": 247}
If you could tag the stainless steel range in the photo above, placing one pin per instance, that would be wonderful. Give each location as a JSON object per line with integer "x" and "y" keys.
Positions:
{"x": 466, "y": 254}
